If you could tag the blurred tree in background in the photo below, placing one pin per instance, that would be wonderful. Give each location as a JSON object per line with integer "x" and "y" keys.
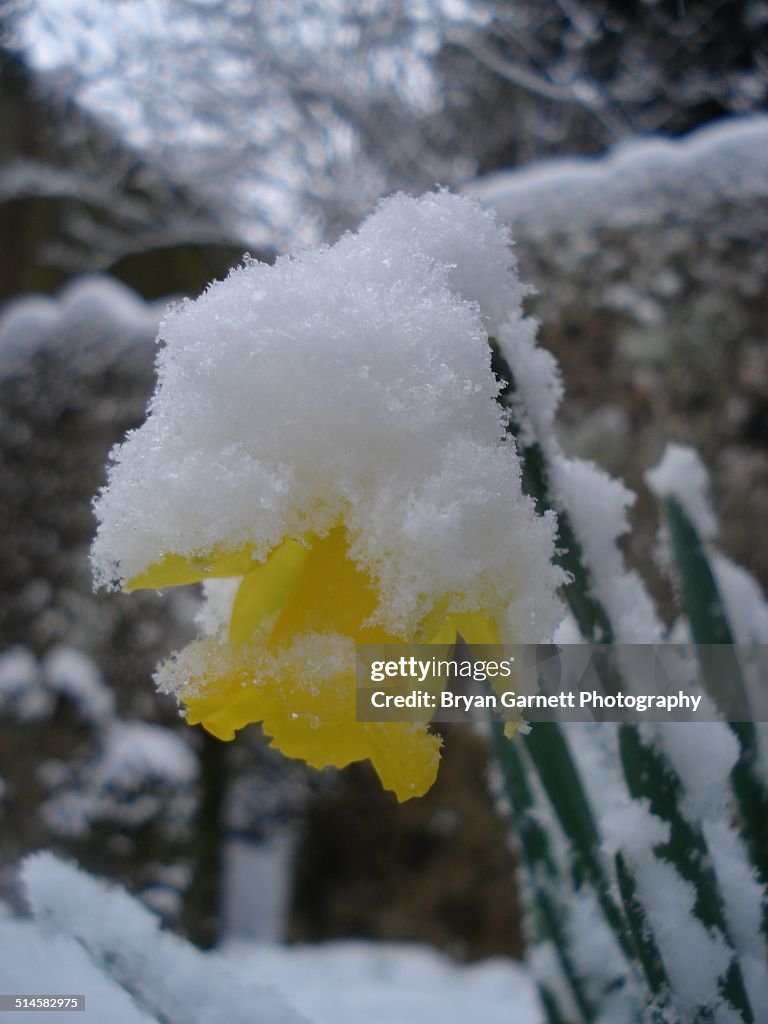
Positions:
{"x": 279, "y": 123}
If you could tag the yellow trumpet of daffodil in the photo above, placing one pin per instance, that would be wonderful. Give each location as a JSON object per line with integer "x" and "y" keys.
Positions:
{"x": 308, "y": 587}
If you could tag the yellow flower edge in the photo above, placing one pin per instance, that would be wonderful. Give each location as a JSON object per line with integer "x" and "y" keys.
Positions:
{"x": 308, "y": 711}
{"x": 307, "y": 591}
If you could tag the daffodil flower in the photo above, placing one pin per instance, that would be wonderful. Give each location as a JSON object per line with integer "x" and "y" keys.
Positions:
{"x": 304, "y": 693}
{"x": 325, "y": 436}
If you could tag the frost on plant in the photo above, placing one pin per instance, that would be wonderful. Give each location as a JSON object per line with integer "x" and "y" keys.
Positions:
{"x": 325, "y": 450}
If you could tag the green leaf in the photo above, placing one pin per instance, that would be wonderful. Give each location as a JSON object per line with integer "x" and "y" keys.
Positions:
{"x": 705, "y": 610}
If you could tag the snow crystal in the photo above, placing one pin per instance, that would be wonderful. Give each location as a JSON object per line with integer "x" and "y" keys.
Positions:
{"x": 681, "y": 474}
{"x": 348, "y": 383}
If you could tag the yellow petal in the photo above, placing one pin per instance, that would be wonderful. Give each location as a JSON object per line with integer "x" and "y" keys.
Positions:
{"x": 265, "y": 589}
{"x": 406, "y": 757}
{"x": 176, "y": 570}
{"x": 314, "y": 720}
{"x": 312, "y": 588}
{"x": 331, "y": 594}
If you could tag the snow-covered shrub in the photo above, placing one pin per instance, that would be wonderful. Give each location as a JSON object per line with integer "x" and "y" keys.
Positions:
{"x": 91, "y": 780}
{"x": 141, "y": 774}
{"x": 358, "y": 445}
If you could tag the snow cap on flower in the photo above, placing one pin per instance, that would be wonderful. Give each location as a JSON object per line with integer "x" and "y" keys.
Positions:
{"x": 347, "y": 383}
{"x": 326, "y": 451}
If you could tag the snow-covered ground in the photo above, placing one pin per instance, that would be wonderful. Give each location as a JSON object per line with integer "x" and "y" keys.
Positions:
{"x": 389, "y": 983}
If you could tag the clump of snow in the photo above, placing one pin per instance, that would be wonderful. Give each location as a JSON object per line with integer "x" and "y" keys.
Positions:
{"x": 348, "y": 384}
{"x": 702, "y": 755}
{"x": 598, "y": 505}
{"x": 216, "y": 610}
{"x": 724, "y": 159}
{"x": 567, "y": 632}
{"x": 681, "y": 474}
{"x": 546, "y": 965}
{"x": 695, "y": 958}
{"x": 624, "y": 824}
{"x": 165, "y": 976}
{"x": 743, "y": 904}
{"x": 538, "y": 383}
{"x": 607, "y": 977}
{"x": 705, "y": 779}
{"x": 69, "y": 673}
{"x": 744, "y": 600}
